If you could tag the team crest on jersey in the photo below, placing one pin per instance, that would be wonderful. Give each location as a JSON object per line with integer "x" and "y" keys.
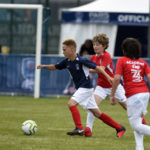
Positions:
{"x": 77, "y": 66}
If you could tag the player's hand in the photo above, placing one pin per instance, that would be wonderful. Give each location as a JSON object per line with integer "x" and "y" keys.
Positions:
{"x": 110, "y": 80}
{"x": 39, "y": 66}
{"x": 112, "y": 100}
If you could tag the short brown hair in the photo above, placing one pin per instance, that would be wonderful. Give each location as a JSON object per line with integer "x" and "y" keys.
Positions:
{"x": 70, "y": 42}
{"x": 131, "y": 48}
{"x": 102, "y": 39}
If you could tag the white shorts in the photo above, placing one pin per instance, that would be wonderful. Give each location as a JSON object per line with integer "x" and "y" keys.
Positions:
{"x": 137, "y": 105}
{"x": 85, "y": 98}
{"x": 104, "y": 92}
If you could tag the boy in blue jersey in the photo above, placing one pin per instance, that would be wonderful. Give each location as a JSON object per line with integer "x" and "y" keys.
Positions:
{"x": 79, "y": 70}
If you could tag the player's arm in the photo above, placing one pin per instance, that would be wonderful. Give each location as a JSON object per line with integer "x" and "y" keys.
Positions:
{"x": 147, "y": 72}
{"x": 148, "y": 77}
{"x": 114, "y": 87}
{"x": 95, "y": 71}
{"x": 101, "y": 69}
{"x": 92, "y": 71}
{"x": 49, "y": 67}
{"x": 98, "y": 69}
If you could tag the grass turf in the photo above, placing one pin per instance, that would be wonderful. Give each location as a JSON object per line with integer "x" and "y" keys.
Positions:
{"x": 54, "y": 120}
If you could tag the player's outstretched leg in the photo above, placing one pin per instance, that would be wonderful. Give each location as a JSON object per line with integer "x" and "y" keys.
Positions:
{"x": 123, "y": 104}
{"x": 109, "y": 121}
{"x": 139, "y": 127}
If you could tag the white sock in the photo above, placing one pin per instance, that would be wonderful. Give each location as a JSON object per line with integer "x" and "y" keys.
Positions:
{"x": 90, "y": 120}
{"x": 139, "y": 148}
{"x": 138, "y": 140}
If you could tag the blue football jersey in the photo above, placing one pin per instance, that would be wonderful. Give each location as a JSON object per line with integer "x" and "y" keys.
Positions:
{"x": 79, "y": 70}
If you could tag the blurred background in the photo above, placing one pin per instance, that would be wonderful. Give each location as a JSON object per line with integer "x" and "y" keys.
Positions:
{"x": 18, "y": 27}
{"x": 62, "y": 19}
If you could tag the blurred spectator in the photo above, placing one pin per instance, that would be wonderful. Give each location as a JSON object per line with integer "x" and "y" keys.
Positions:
{"x": 87, "y": 48}
{"x": 28, "y": 16}
{"x": 70, "y": 88}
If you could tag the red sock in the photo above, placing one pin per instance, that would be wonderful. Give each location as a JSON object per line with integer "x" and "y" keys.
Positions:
{"x": 76, "y": 116}
{"x": 107, "y": 120}
{"x": 144, "y": 121}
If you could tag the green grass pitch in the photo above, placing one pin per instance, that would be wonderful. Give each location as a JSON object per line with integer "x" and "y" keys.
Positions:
{"x": 54, "y": 120}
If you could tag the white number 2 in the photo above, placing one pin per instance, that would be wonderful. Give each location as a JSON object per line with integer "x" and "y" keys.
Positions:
{"x": 136, "y": 75}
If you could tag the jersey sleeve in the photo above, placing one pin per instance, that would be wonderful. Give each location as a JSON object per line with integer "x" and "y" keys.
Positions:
{"x": 61, "y": 65}
{"x": 106, "y": 60}
{"x": 119, "y": 67}
{"x": 146, "y": 69}
{"x": 88, "y": 63}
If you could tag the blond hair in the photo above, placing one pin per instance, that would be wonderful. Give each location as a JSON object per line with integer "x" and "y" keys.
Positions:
{"x": 101, "y": 39}
{"x": 70, "y": 42}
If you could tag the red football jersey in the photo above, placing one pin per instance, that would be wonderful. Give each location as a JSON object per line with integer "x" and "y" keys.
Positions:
{"x": 133, "y": 72}
{"x": 106, "y": 61}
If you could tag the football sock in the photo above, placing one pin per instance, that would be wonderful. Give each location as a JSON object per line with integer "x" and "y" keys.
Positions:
{"x": 90, "y": 120}
{"x": 107, "y": 120}
{"x": 144, "y": 121}
{"x": 76, "y": 116}
{"x": 138, "y": 140}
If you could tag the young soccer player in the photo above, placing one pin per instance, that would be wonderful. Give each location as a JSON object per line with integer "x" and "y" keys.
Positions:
{"x": 103, "y": 59}
{"x": 79, "y": 70}
{"x": 133, "y": 69}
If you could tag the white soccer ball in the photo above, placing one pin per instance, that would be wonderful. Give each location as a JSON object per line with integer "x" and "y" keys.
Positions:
{"x": 29, "y": 127}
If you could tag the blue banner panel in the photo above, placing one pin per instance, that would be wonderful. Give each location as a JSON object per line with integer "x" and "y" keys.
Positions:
{"x": 105, "y": 18}
{"x": 53, "y": 82}
{"x": 17, "y": 74}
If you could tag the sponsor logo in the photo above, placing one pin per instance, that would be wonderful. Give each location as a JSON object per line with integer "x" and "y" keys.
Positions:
{"x": 133, "y": 18}
{"x": 99, "y": 17}
{"x": 77, "y": 66}
{"x": 135, "y": 63}
{"x": 80, "y": 131}
{"x": 79, "y": 17}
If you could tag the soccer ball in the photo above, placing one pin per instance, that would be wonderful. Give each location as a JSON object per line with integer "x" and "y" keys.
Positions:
{"x": 29, "y": 127}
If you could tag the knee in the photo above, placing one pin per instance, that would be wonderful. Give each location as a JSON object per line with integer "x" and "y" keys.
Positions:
{"x": 124, "y": 105}
{"x": 71, "y": 103}
{"x": 96, "y": 113}
{"x": 135, "y": 126}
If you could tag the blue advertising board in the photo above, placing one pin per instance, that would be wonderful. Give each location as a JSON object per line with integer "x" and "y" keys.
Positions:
{"x": 105, "y": 18}
{"x": 17, "y": 74}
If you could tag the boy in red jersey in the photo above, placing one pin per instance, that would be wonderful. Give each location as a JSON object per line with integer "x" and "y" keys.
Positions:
{"x": 133, "y": 69}
{"x": 103, "y": 88}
